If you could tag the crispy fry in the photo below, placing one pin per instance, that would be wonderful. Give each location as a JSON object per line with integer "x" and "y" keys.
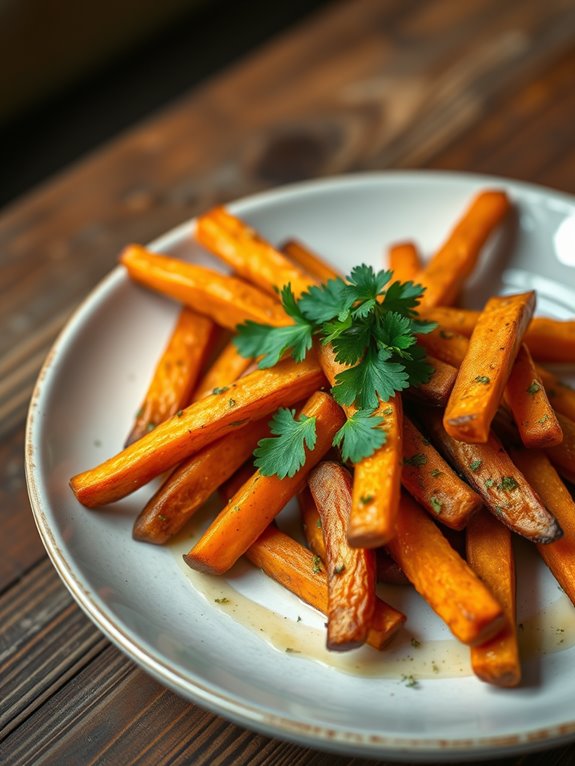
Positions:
{"x": 251, "y": 398}
{"x": 404, "y": 260}
{"x": 193, "y": 481}
{"x": 377, "y": 478}
{"x": 387, "y": 570}
{"x": 248, "y": 253}
{"x": 175, "y": 374}
{"x": 491, "y": 472}
{"x": 350, "y": 571}
{"x": 484, "y": 371}
{"x": 525, "y": 396}
{"x": 490, "y": 555}
{"x": 297, "y": 569}
{"x": 561, "y": 395}
{"x": 225, "y": 369}
{"x": 563, "y": 455}
{"x": 261, "y": 498}
{"x": 437, "y": 390}
{"x": 433, "y": 483}
{"x": 229, "y": 487}
{"x": 548, "y": 340}
{"x": 560, "y": 555}
{"x": 226, "y": 300}
{"x": 441, "y": 576}
{"x": 309, "y": 261}
{"x": 444, "y": 275}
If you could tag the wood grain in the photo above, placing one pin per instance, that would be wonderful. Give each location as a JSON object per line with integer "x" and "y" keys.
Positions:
{"x": 371, "y": 84}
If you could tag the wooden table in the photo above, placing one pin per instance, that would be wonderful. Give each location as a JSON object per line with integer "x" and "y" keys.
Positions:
{"x": 479, "y": 85}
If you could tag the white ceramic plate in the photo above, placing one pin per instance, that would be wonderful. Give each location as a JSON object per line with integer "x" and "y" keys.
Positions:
{"x": 231, "y": 657}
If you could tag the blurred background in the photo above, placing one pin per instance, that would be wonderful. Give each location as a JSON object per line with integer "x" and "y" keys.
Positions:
{"x": 73, "y": 74}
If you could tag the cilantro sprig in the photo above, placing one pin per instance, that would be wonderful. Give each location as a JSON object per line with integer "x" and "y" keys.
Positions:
{"x": 284, "y": 455}
{"x": 371, "y": 322}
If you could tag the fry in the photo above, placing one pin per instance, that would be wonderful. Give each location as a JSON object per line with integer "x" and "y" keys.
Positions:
{"x": 449, "y": 346}
{"x": 404, "y": 260}
{"x": 491, "y": 472}
{"x": 193, "y": 481}
{"x": 387, "y": 570}
{"x": 433, "y": 483}
{"x": 560, "y": 555}
{"x": 175, "y": 374}
{"x": 226, "y": 300}
{"x": 440, "y": 575}
{"x": 563, "y": 455}
{"x": 296, "y": 568}
{"x": 560, "y": 394}
{"x": 444, "y": 275}
{"x": 484, "y": 371}
{"x": 350, "y": 571}
{"x": 251, "y": 398}
{"x": 377, "y": 478}
{"x": 261, "y": 498}
{"x": 490, "y": 555}
{"x": 525, "y": 396}
{"x": 309, "y": 261}
{"x": 548, "y": 340}
{"x": 437, "y": 390}
{"x": 248, "y": 253}
{"x": 225, "y": 370}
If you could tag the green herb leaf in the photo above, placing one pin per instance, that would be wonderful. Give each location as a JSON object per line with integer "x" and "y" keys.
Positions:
{"x": 534, "y": 388}
{"x": 360, "y": 436}
{"x": 416, "y": 460}
{"x": 475, "y": 465}
{"x": 329, "y": 301}
{"x": 284, "y": 454}
{"x": 373, "y": 378}
{"x": 403, "y": 297}
{"x": 482, "y": 379}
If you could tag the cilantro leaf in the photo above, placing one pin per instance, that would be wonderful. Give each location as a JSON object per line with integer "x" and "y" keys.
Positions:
{"x": 271, "y": 343}
{"x": 402, "y": 297}
{"x": 364, "y": 284}
{"x": 417, "y": 367}
{"x": 350, "y": 345}
{"x": 325, "y": 302}
{"x": 373, "y": 378}
{"x": 360, "y": 436}
{"x": 422, "y": 327}
{"x": 395, "y": 331}
{"x": 284, "y": 454}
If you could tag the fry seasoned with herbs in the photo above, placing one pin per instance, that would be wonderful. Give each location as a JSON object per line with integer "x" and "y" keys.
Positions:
{"x": 404, "y": 260}
{"x": 350, "y": 571}
{"x": 309, "y": 261}
{"x": 487, "y": 365}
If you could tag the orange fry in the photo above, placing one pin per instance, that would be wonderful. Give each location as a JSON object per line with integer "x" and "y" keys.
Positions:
{"x": 560, "y": 555}
{"x": 261, "y": 498}
{"x": 437, "y": 390}
{"x": 525, "y": 396}
{"x": 193, "y": 481}
{"x": 251, "y": 398}
{"x": 433, "y": 483}
{"x": 248, "y": 253}
{"x": 176, "y": 372}
{"x": 442, "y": 577}
{"x": 297, "y": 569}
{"x": 225, "y": 370}
{"x": 226, "y": 300}
{"x": 404, "y": 260}
{"x": 350, "y": 571}
{"x": 490, "y": 555}
{"x": 563, "y": 455}
{"x": 309, "y": 261}
{"x": 487, "y": 365}
{"x": 444, "y": 275}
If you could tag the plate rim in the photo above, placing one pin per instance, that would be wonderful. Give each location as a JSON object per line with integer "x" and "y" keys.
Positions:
{"x": 245, "y": 713}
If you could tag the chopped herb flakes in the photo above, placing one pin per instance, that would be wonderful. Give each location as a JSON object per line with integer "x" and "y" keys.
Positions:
{"x": 231, "y": 403}
{"x": 534, "y": 388}
{"x": 436, "y": 473}
{"x": 339, "y": 568}
{"x": 289, "y": 650}
{"x": 508, "y": 484}
{"x": 179, "y": 413}
{"x": 316, "y": 565}
{"x": 409, "y": 680}
{"x": 489, "y": 483}
{"x": 222, "y": 600}
{"x": 435, "y": 504}
{"x": 220, "y": 390}
{"x": 416, "y": 460}
{"x": 542, "y": 420}
{"x": 415, "y": 643}
{"x": 482, "y": 379}
{"x": 475, "y": 465}
{"x": 366, "y": 499}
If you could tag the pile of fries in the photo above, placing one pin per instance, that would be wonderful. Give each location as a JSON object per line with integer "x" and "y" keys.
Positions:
{"x": 484, "y": 446}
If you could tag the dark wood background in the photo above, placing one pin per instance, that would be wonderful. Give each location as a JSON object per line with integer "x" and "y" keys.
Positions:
{"x": 480, "y": 85}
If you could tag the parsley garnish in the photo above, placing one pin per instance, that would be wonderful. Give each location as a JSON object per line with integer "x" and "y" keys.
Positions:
{"x": 284, "y": 454}
{"x": 371, "y": 323}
